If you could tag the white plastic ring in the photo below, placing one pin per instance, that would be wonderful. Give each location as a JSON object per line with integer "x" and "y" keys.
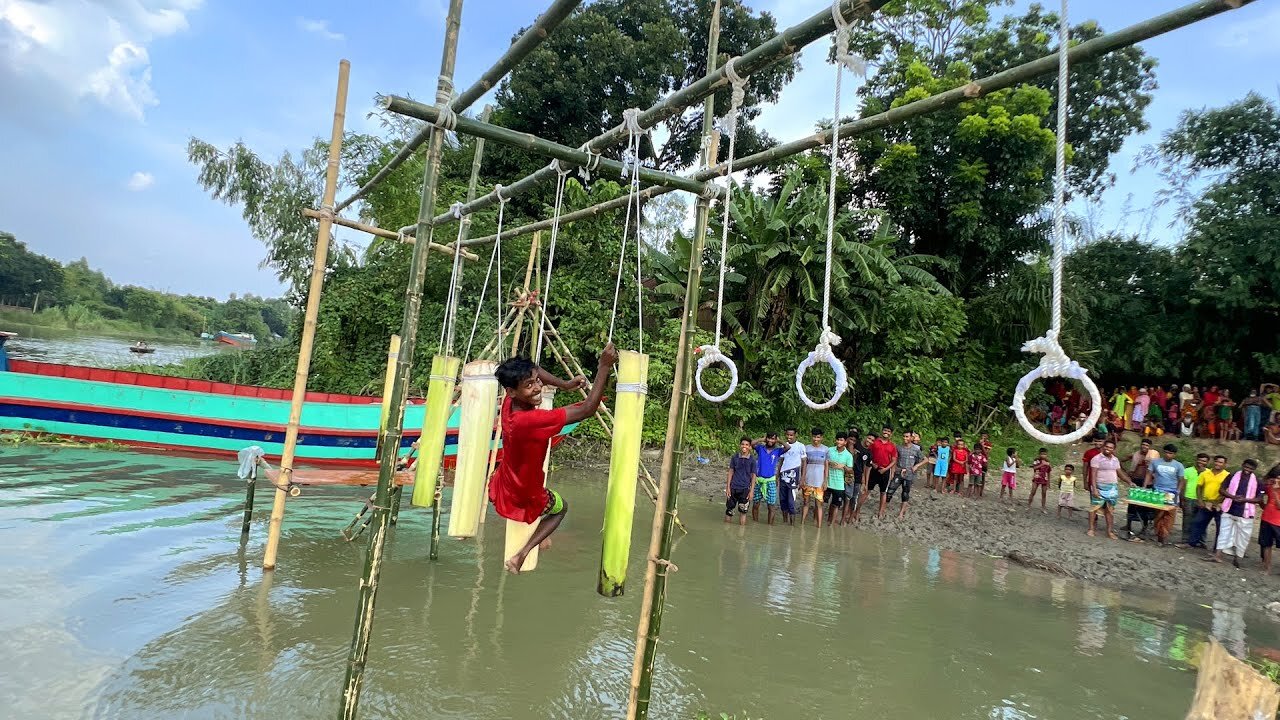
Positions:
{"x": 837, "y": 367}
{"x": 710, "y": 356}
{"x": 1085, "y": 430}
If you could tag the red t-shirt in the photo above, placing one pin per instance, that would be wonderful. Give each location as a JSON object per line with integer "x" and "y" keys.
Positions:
{"x": 1271, "y": 511}
{"x": 517, "y": 486}
{"x": 883, "y": 452}
{"x": 1089, "y": 454}
{"x": 959, "y": 461}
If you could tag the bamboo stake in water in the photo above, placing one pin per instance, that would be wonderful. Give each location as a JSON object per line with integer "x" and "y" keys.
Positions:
{"x": 368, "y": 589}
{"x": 319, "y": 262}
{"x": 659, "y": 553}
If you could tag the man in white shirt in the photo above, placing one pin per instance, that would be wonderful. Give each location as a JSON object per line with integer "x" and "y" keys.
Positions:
{"x": 789, "y": 475}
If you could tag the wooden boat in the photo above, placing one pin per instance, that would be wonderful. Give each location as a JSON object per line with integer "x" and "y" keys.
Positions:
{"x": 235, "y": 339}
{"x": 197, "y": 416}
{"x": 141, "y": 349}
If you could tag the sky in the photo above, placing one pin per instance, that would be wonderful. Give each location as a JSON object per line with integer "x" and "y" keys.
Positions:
{"x": 101, "y": 96}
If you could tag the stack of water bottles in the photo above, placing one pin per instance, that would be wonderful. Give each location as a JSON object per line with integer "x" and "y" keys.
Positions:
{"x": 1148, "y": 495}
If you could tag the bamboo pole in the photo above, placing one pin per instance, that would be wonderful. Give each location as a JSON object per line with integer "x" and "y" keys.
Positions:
{"x": 389, "y": 377}
{"x": 385, "y": 233}
{"x": 624, "y": 473}
{"x": 658, "y": 564}
{"x": 784, "y": 44}
{"x": 368, "y": 588}
{"x": 319, "y": 262}
{"x": 528, "y": 41}
{"x": 532, "y": 143}
{"x": 1085, "y": 51}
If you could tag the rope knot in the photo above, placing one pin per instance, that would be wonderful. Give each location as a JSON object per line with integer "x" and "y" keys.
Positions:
{"x": 1055, "y": 362}
{"x": 593, "y": 162}
{"x": 844, "y": 32}
{"x": 448, "y": 119}
{"x": 631, "y": 121}
{"x": 456, "y": 210}
{"x": 497, "y": 192}
{"x": 826, "y": 342}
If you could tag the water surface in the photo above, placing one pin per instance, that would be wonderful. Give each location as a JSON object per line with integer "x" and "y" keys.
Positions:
{"x": 130, "y": 596}
{"x": 75, "y": 348}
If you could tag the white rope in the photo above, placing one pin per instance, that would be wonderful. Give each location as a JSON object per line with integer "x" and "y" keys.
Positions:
{"x": 631, "y": 169}
{"x": 823, "y": 352}
{"x": 495, "y": 256}
{"x": 712, "y": 354}
{"x": 1055, "y": 362}
{"x": 551, "y": 254}
{"x": 455, "y": 280}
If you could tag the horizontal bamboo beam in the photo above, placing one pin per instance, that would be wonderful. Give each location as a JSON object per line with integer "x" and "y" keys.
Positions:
{"x": 1085, "y": 51}
{"x": 533, "y": 143}
{"x": 519, "y": 50}
{"x": 784, "y": 44}
{"x": 383, "y": 232}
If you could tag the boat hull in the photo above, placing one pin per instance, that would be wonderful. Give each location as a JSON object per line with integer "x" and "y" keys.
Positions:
{"x": 196, "y": 417}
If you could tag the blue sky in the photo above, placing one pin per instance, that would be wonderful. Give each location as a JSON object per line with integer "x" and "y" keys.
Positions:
{"x": 100, "y": 97}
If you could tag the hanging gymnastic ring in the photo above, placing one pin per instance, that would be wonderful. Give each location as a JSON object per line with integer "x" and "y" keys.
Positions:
{"x": 710, "y": 356}
{"x": 1048, "y": 369}
{"x": 820, "y": 354}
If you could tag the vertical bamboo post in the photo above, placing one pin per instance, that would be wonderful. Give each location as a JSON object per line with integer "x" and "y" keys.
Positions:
{"x": 251, "y": 485}
{"x": 624, "y": 472}
{"x": 368, "y": 589}
{"x": 658, "y": 557}
{"x": 316, "y": 287}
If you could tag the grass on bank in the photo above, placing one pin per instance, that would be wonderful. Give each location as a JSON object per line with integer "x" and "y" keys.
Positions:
{"x": 80, "y": 318}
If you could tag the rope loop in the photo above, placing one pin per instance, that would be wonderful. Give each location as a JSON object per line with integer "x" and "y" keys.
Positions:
{"x": 729, "y": 124}
{"x": 1055, "y": 363}
{"x": 497, "y": 192}
{"x": 823, "y": 353}
{"x": 631, "y": 121}
{"x": 593, "y": 162}
{"x": 712, "y": 355}
{"x": 447, "y": 120}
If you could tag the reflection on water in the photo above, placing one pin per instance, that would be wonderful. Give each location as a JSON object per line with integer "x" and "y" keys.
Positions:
{"x": 136, "y": 600}
{"x": 73, "y": 348}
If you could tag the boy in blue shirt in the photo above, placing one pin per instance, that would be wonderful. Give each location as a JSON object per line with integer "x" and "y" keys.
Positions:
{"x": 942, "y": 466}
{"x": 768, "y": 455}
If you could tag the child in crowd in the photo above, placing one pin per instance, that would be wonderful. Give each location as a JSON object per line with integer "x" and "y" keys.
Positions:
{"x": 941, "y": 464}
{"x": 1009, "y": 473}
{"x": 1040, "y": 479}
{"x": 1269, "y": 534}
{"x": 815, "y": 477}
{"x": 839, "y": 462}
{"x": 959, "y": 466}
{"x": 1067, "y": 491}
{"x": 977, "y": 470}
{"x": 739, "y": 482}
{"x": 861, "y": 470}
{"x": 931, "y": 459}
{"x": 1187, "y": 426}
{"x": 793, "y": 457}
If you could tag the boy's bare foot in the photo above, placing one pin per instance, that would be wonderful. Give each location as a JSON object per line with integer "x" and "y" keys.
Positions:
{"x": 726, "y": 518}
{"x": 1113, "y": 536}
{"x": 1090, "y": 533}
{"x": 514, "y": 563}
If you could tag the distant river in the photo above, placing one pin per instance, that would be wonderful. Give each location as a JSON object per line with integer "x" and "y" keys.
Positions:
{"x": 76, "y": 348}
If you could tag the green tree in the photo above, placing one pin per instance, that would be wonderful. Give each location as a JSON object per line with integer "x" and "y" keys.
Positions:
{"x": 24, "y": 274}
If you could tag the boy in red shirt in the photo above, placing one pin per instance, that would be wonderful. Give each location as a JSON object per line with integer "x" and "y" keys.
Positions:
{"x": 1269, "y": 534}
{"x": 517, "y": 488}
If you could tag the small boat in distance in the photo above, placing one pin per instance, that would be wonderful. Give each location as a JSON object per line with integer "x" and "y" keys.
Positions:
{"x": 141, "y": 348}
{"x": 236, "y": 339}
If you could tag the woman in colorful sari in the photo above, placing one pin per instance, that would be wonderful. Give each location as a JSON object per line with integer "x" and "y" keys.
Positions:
{"x": 1141, "y": 404}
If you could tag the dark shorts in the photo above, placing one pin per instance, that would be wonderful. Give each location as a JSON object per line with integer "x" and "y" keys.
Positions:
{"x": 879, "y": 479}
{"x": 790, "y": 478}
{"x": 834, "y": 498}
{"x": 853, "y": 490}
{"x": 902, "y": 480}
{"x": 1268, "y": 535}
{"x": 740, "y": 498}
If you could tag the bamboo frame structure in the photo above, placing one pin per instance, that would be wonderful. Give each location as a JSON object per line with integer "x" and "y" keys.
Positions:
{"x": 528, "y": 41}
{"x": 385, "y": 233}
{"x": 784, "y": 44}
{"x": 307, "y": 342}
{"x": 368, "y": 589}
{"x": 497, "y": 133}
{"x": 1048, "y": 64}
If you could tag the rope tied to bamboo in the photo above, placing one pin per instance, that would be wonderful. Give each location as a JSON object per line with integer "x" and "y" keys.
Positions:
{"x": 495, "y": 257}
{"x": 1054, "y": 361}
{"x": 561, "y": 179}
{"x": 666, "y": 565}
{"x": 631, "y": 164}
{"x": 712, "y": 354}
{"x": 593, "y": 162}
{"x": 448, "y": 327}
{"x": 827, "y": 340}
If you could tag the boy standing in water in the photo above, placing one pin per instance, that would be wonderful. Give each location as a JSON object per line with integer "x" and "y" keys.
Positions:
{"x": 839, "y": 462}
{"x": 766, "y": 488}
{"x": 789, "y": 477}
{"x": 815, "y": 478}
{"x": 517, "y": 488}
{"x": 739, "y": 482}
{"x": 861, "y": 470}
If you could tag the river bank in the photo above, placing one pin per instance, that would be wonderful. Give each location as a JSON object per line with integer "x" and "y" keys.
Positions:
{"x": 1042, "y": 541}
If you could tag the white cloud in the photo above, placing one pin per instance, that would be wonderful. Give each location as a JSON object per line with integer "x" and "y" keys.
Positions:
{"x": 1256, "y": 35}
{"x": 319, "y": 27}
{"x": 141, "y": 181}
{"x": 73, "y": 50}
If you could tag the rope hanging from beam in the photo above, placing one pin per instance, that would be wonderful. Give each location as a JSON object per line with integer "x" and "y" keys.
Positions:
{"x": 631, "y": 165}
{"x": 1055, "y": 362}
{"x": 711, "y": 354}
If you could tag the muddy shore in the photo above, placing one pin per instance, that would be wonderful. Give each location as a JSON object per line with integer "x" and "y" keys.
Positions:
{"x": 1029, "y": 537}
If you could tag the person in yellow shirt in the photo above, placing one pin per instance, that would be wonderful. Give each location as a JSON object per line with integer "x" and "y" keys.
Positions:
{"x": 1209, "y": 499}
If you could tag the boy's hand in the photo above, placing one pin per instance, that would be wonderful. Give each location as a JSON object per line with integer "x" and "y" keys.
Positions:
{"x": 578, "y": 382}
{"x": 608, "y": 356}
